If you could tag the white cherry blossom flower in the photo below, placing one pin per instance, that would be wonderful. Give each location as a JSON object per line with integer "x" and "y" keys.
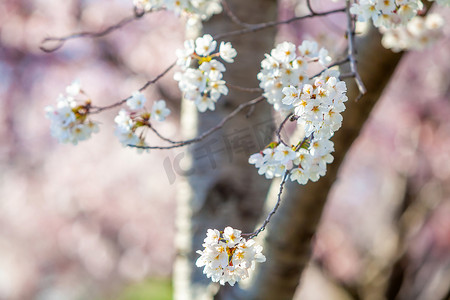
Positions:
{"x": 227, "y": 257}
{"x": 324, "y": 58}
{"x": 69, "y": 122}
{"x": 299, "y": 175}
{"x": 136, "y": 101}
{"x": 227, "y": 52}
{"x": 160, "y": 111}
{"x": 284, "y": 52}
{"x": 204, "y": 103}
{"x": 308, "y": 48}
{"x": 203, "y": 84}
{"x": 205, "y": 45}
{"x": 74, "y": 88}
{"x": 185, "y": 55}
{"x": 291, "y": 95}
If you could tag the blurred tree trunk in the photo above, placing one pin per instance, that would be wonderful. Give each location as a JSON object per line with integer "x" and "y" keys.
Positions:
{"x": 288, "y": 239}
{"x": 221, "y": 188}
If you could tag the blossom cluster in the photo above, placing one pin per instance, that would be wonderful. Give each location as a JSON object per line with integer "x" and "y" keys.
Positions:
{"x": 227, "y": 256}
{"x": 201, "y": 80}
{"x": 127, "y": 123}
{"x": 69, "y": 119}
{"x": 284, "y": 67}
{"x": 202, "y": 8}
{"x": 307, "y": 162}
{"x": 386, "y": 13}
{"x": 316, "y": 104}
{"x": 418, "y": 34}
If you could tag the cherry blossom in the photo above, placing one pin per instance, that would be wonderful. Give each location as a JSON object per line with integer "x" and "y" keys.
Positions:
{"x": 227, "y": 256}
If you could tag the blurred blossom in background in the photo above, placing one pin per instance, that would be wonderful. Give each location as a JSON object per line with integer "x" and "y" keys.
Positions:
{"x": 80, "y": 220}
{"x": 83, "y": 222}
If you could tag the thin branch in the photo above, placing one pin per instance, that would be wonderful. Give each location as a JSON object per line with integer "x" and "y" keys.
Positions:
{"x": 244, "y": 89}
{"x": 308, "y": 3}
{"x": 278, "y": 132}
{"x": 61, "y": 40}
{"x": 158, "y": 77}
{"x": 338, "y": 63}
{"x": 161, "y": 136}
{"x": 274, "y": 210}
{"x": 232, "y": 16}
{"x": 250, "y": 111}
{"x": 351, "y": 52}
{"x": 261, "y": 26}
{"x": 178, "y": 144}
{"x": 147, "y": 84}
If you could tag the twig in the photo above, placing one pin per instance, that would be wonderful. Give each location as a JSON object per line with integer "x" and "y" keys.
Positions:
{"x": 308, "y": 3}
{"x": 244, "y": 89}
{"x": 248, "y": 27}
{"x": 99, "y": 109}
{"x": 158, "y": 77}
{"x": 232, "y": 16}
{"x": 178, "y": 144}
{"x": 351, "y": 53}
{"x": 250, "y": 111}
{"x": 338, "y": 63}
{"x": 261, "y": 26}
{"x": 274, "y": 210}
{"x": 61, "y": 40}
{"x": 278, "y": 132}
{"x": 161, "y": 136}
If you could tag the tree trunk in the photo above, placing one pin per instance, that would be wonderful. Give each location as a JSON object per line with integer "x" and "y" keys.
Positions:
{"x": 221, "y": 188}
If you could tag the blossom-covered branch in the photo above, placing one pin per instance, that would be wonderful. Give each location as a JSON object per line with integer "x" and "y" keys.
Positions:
{"x": 178, "y": 144}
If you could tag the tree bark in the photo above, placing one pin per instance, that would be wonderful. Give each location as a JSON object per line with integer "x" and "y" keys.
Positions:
{"x": 221, "y": 188}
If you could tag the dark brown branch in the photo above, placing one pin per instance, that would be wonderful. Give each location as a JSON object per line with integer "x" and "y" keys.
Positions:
{"x": 338, "y": 63}
{"x": 233, "y": 16}
{"x": 274, "y": 210}
{"x": 261, "y": 26}
{"x": 308, "y": 3}
{"x": 244, "y": 89}
{"x": 178, "y": 144}
{"x": 157, "y": 77}
{"x": 61, "y": 40}
{"x": 98, "y": 109}
{"x": 161, "y": 136}
{"x": 278, "y": 132}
